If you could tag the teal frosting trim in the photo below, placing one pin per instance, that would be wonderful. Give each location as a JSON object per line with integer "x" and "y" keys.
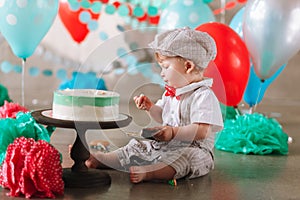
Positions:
{"x": 99, "y": 101}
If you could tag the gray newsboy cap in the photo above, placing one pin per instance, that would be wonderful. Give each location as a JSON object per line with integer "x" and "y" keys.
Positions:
{"x": 187, "y": 43}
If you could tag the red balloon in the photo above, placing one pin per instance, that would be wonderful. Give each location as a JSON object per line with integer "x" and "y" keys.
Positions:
{"x": 70, "y": 19}
{"x": 218, "y": 85}
{"x": 232, "y": 61}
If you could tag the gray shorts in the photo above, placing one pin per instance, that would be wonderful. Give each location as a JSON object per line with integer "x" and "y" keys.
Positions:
{"x": 190, "y": 162}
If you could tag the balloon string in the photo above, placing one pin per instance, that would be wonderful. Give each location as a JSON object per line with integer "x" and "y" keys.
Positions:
{"x": 236, "y": 110}
{"x": 259, "y": 91}
{"x": 223, "y": 4}
{"x": 23, "y": 82}
{"x": 251, "y": 110}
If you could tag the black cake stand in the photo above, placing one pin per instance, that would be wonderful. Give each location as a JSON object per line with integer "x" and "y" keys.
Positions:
{"x": 79, "y": 176}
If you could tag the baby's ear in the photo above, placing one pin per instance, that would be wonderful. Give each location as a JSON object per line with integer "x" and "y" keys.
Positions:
{"x": 189, "y": 66}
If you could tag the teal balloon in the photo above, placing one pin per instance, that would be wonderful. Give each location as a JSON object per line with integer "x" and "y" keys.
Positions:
{"x": 256, "y": 88}
{"x": 236, "y": 22}
{"x": 191, "y": 13}
{"x": 24, "y": 23}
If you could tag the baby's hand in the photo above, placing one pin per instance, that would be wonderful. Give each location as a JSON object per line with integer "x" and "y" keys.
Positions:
{"x": 142, "y": 102}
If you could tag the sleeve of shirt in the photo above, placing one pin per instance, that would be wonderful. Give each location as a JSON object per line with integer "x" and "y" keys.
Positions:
{"x": 205, "y": 108}
{"x": 161, "y": 102}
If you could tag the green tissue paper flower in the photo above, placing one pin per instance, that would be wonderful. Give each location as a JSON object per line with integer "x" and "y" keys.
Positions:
{"x": 252, "y": 134}
{"x": 23, "y": 125}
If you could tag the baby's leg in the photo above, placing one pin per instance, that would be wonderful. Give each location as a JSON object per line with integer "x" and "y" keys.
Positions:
{"x": 159, "y": 171}
{"x": 103, "y": 160}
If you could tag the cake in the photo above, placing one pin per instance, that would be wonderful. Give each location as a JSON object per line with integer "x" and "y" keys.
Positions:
{"x": 85, "y": 105}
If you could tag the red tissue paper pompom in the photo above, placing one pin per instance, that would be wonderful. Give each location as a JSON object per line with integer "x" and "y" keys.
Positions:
{"x": 10, "y": 110}
{"x": 32, "y": 169}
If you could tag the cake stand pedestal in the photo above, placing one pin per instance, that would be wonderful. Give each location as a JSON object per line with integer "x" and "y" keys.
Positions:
{"x": 79, "y": 176}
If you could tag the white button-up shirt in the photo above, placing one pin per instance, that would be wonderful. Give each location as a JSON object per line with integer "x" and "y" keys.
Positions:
{"x": 197, "y": 104}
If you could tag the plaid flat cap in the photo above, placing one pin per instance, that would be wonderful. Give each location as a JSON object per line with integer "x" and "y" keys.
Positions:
{"x": 187, "y": 43}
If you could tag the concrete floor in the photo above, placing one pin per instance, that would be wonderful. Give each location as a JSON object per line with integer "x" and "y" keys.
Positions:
{"x": 235, "y": 176}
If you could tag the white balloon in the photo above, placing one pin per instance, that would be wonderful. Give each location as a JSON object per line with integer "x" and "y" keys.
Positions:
{"x": 271, "y": 31}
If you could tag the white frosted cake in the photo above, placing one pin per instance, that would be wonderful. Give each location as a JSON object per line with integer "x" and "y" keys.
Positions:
{"x": 85, "y": 105}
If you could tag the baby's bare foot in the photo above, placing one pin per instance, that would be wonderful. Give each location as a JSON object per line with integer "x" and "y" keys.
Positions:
{"x": 92, "y": 162}
{"x": 137, "y": 174}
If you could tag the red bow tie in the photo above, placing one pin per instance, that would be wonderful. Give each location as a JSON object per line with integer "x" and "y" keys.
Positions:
{"x": 170, "y": 91}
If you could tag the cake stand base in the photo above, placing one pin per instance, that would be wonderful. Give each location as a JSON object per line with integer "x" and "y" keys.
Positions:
{"x": 79, "y": 176}
{"x": 88, "y": 179}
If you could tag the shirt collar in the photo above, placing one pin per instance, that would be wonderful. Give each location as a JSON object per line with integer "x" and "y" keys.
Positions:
{"x": 206, "y": 82}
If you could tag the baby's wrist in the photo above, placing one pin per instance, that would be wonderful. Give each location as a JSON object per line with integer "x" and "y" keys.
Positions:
{"x": 148, "y": 109}
{"x": 172, "y": 133}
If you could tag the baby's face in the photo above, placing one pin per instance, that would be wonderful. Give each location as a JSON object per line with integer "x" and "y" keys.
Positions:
{"x": 173, "y": 71}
